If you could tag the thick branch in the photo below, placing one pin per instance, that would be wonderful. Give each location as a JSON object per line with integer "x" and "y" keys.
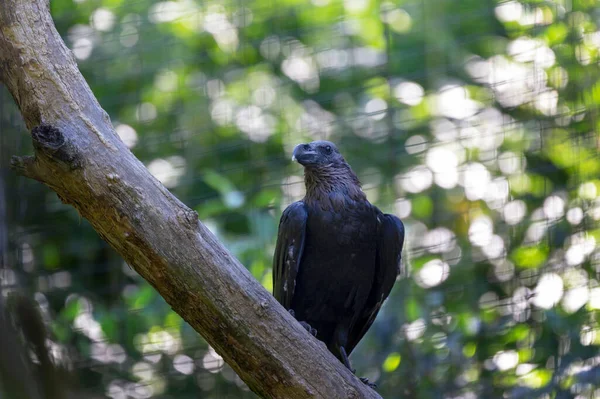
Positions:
{"x": 78, "y": 154}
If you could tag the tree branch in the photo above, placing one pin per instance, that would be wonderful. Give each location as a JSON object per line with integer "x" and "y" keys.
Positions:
{"x": 79, "y": 155}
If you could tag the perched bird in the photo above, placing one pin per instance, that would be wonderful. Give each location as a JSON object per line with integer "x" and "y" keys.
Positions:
{"x": 337, "y": 256}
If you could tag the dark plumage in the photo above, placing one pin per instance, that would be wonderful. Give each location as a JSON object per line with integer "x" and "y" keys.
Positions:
{"x": 337, "y": 256}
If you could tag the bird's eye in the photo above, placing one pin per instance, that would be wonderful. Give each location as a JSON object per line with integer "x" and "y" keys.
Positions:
{"x": 328, "y": 149}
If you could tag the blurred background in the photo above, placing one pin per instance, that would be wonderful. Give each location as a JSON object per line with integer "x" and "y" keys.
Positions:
{"x": 475, "y": 121}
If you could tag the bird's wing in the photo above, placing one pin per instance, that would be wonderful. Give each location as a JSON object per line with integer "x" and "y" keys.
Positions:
{"x": 387, "y": 267}
{"x": 288, "y": 252}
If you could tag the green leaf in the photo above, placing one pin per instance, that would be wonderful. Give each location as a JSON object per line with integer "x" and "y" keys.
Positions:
{"x": 422, "y": 207}
{"x": 392, "y": 362}
{"x": 530, "y": 257}
{"x": 51, "y": 256}
{"x": 143, "y": 297}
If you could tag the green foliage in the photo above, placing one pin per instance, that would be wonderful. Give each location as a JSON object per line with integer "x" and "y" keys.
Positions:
{"x": 530, "y": 256}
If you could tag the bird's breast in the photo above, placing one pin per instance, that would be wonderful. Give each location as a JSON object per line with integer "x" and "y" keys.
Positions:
{"x": 338, "y": 263}
{"x": 356, "y": 226}
{"x": 346, "y": 236}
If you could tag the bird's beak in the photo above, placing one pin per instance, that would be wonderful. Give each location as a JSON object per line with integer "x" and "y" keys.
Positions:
{"x": 304, "y": 154}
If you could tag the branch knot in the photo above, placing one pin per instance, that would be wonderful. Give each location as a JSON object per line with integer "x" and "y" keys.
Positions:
{"x": 51, "y": 142}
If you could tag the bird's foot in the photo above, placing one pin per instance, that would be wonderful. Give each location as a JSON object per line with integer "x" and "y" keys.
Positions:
{"x": 346, "y": 362}
{"x": 366, "y": 381}
{"x": 304, "y": 324}
{"x": 307, "y": 327}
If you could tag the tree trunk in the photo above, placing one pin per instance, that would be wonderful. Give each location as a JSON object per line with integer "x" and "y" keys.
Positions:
{"x": 79, "y": 155}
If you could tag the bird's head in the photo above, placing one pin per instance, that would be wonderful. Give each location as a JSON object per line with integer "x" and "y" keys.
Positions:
{"x": 318, "y": 154}
{"x": 326, "y": 171}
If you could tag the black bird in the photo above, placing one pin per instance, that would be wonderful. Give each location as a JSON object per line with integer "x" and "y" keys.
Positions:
{"x": 337, "y": 256}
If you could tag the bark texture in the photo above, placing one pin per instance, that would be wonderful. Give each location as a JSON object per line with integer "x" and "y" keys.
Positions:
{"x": 79, "y": 155}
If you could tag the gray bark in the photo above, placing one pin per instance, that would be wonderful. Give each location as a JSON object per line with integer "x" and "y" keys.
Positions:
{"x": 79, "y": 156}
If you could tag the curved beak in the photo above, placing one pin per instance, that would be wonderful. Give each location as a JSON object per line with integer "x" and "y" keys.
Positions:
{"x": 304, "y": 154}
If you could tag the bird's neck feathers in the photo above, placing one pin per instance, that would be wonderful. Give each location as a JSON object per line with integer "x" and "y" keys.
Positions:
{"x": 328, "y": 184}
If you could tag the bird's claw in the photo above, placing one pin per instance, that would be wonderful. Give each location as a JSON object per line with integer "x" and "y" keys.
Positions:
{"x": 307, "y": 327}
{"x": 366, "y": 381}
{"x": 304, "y": 324}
